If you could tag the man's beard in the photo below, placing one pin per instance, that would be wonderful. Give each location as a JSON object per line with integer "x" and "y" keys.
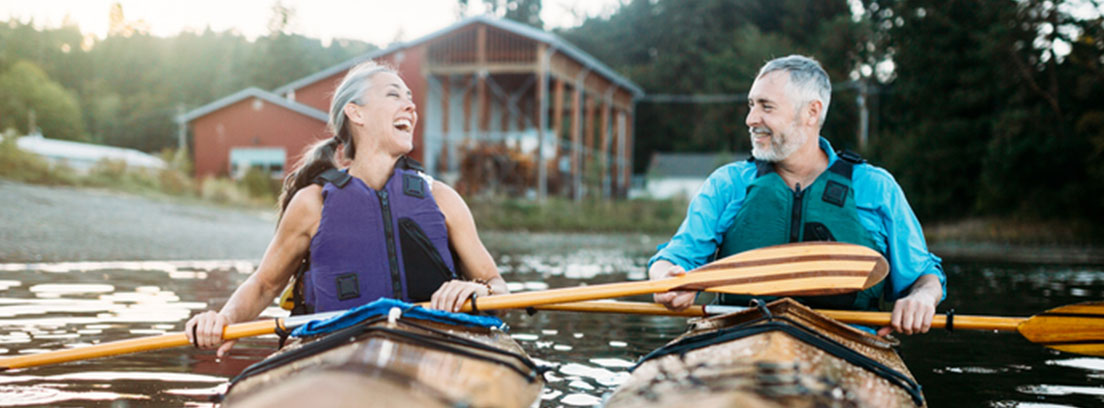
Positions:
{"x": 782, "y": 144}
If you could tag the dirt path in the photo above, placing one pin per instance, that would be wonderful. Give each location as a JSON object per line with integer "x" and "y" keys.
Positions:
{"x": 48, "y": 224}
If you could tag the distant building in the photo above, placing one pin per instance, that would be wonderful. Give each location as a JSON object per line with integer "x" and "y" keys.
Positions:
{"x": 81, "y": 157}
{"x": 682, "y": 174}
{"x": 480, "y": 79}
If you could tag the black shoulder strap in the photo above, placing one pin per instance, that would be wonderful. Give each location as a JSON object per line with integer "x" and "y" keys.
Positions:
{"x": 334, "y": 176}
{"x": 762, "y": 168}
{"x": 406, "y": 163}
{"x": 846, "y": 163}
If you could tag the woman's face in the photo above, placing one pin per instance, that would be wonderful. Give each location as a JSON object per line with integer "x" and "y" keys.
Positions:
{"x": 387, "y": 115}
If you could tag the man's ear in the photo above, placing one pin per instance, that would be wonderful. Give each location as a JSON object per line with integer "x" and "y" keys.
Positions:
{"x": 353, "y": 114}
{"x": 813, "y": 109}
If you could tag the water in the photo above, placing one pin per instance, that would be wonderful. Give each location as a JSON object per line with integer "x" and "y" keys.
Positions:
{"x": 54, "y": 306}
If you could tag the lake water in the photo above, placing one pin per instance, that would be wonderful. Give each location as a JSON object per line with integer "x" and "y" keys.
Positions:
{"x": 59, "y": 305}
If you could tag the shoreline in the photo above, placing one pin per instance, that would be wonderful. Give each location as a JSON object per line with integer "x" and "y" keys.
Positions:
{"x": 72, "y": 224}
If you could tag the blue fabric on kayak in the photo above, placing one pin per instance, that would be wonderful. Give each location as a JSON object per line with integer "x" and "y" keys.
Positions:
{"x": 382, "y": 306}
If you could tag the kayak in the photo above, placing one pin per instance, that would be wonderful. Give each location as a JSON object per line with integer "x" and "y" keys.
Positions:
{"x": 392, "y": 362}
{"x": 782, "y": 354}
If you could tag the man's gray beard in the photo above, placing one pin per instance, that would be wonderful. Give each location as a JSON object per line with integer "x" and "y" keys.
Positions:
{"x": 781, "y": 147}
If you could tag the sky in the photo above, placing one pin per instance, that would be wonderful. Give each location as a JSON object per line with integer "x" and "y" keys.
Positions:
{"x": 380, "y": 22}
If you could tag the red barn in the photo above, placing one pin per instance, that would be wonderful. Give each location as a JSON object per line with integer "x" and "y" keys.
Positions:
{"x": 481, "y": 79}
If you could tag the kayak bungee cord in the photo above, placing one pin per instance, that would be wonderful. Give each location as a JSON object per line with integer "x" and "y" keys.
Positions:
{"x": 769, "y": 322}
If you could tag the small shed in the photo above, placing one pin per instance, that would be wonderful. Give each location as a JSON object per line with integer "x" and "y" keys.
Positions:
{"x": 682, "y": 174}
{"x": 480, "y": 80}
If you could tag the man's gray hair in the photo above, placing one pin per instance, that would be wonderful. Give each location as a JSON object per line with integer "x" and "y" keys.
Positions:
{"x": 808, "y": 81}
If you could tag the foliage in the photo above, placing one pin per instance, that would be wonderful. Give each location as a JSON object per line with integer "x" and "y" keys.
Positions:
{"x": 260, "y": 184}
{"x": 26, "y": 90}
{"x": 131, "y": 85}
{"x": 494, "y": 168}
{"x": 995, "y": 122}
{"x": 15, "y": 164}
{"x": 522, "y": 11}
{"x": 591, "y": 215}
{"x": 716, "y": 47}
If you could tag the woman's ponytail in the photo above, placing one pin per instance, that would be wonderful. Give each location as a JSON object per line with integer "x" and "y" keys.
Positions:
{"x": 319, "y": 157}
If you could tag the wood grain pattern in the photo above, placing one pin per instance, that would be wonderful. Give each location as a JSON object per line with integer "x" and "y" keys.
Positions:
{"x": 800, "y": 268}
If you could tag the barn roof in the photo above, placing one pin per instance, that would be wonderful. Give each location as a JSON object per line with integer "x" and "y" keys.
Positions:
{"x": 252, "y": 93}
{"x": 556, "y": 43}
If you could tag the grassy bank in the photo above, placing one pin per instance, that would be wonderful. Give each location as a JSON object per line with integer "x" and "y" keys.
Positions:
{"x": 661, "y": 217}
{"x": 255, "y": 190}
{"x": 559, "y": 214}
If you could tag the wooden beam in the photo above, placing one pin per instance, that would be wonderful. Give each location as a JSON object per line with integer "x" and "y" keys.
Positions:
{"x": 588, "y": 145}
{"x": 540, "y": 104}
{"x": 627, "y": 154}
{"x": 557, "y": 123}
{"x": 576, "y": 123}
{"x": 491, "y": 68}
{"x": 443, "y": 162}
{"x": 604, "y": 150}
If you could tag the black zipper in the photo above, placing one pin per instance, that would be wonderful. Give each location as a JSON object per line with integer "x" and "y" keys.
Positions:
{"x": 419, "y": 236}
{"x": 392, "y": 253}
{"x": 795, "y": 214}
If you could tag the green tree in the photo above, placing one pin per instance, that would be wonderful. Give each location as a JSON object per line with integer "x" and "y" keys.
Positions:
{"x": 716, "y": 47}
{"x": 24, "y": 88}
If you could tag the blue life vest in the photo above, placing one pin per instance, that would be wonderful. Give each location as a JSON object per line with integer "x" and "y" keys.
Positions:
{"x": 774, "y": 214}
{"x": 372, "y": 244}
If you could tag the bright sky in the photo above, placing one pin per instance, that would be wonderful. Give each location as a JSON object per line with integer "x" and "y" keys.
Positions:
{"x": 376, "y": 21}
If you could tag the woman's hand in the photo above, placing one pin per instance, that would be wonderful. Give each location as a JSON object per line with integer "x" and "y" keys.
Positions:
{"x": 452, "y": 295}
{"x": 204, "y": 330}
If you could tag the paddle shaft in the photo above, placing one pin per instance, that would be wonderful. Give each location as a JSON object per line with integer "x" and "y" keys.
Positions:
{"x": 164, "y": 341}
{"x": 963, "y": 322}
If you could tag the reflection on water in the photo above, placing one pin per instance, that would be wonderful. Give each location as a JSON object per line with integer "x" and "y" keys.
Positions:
{"x": 62, "y": 305}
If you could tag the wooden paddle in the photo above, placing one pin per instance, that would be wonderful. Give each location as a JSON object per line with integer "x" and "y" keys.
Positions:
{"x": 798, "y": 269}
{"x": 1077, "y": 328}
{"x": 791, "y": 269}
{"x": 163, "y": 341}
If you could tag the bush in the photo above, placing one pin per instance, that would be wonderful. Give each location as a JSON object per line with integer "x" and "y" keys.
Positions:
{"x": 260, "y": 185}
{"x": 18, "y": 165}
{"x": 559, "y": 214}
{"x": 222, "y": 191}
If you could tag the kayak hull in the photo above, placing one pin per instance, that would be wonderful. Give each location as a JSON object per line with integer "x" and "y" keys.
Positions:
{"x": 771, "y": 368}
{"x": 394, "y": 365}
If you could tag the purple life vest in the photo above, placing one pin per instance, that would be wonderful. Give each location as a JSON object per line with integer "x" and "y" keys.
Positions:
{"x": 372, "y": 244}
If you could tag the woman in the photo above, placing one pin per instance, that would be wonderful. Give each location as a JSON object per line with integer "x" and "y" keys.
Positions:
{"x": 378, "y": 228}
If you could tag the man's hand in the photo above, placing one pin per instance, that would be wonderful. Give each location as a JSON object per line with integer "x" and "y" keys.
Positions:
{"x": 912, "y": 314}
{"x": 673, "y": 300}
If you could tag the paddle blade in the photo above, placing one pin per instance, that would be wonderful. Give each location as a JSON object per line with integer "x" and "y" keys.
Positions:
{"x": 798, "y": 269}
{"x": 1075, "y": 328}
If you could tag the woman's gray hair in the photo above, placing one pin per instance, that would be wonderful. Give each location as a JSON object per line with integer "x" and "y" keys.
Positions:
{"x": 351, "y": 90}
{"x": 319, "y": 156}
{"x": 808, "y": 81}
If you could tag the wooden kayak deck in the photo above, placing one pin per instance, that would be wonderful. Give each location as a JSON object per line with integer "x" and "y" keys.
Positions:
{"x": 395, "y": 365}
{"x": 770, "y": 368}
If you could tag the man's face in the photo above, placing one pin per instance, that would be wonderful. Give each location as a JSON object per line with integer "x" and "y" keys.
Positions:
{"x": 773, "y": 119}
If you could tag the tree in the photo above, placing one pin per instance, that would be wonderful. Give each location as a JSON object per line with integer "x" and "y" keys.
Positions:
{"x": 25, "y": 88}
{"x": 523, "y": 11}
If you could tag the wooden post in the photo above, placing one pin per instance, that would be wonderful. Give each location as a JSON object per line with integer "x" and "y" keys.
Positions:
{"x": 619, "y": 161}
{"x": 446, "y": 151}
{"x": 557, "y": 123}
{"x": 481, "y": 87}
{"x": 627, "y": 153}
{"x": 589, "y": 128}
{"x": 541, "y": 103}
{"x": 605, "y": 139}
{"x": 576, "y": 122}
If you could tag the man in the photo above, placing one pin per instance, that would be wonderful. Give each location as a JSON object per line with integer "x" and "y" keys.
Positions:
{"x": 798, "y": 189}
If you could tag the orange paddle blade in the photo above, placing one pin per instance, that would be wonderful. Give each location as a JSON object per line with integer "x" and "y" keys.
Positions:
{"x": 1075, "y": 328}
